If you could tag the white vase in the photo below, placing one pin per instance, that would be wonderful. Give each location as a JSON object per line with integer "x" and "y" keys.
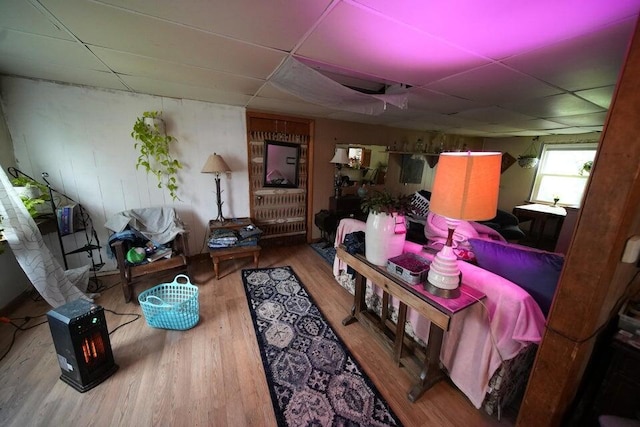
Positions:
{"x": 384, "y": 237}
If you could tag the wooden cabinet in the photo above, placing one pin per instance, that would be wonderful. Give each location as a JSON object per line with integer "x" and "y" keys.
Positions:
{"x": 281, "y": 213}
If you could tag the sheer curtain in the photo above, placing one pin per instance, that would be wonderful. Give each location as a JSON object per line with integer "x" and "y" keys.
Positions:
{"x": 55, "y": 285}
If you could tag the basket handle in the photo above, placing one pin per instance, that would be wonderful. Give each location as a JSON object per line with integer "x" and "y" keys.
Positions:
{"x": 183, "y": 276}
{"x": 159, "y": 303}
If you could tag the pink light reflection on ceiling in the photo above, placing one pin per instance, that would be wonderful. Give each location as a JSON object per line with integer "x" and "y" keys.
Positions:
{"x": 502, "y": 28}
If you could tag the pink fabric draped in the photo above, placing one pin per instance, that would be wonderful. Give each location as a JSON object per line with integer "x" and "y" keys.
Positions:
{"x": 481, "y": 336}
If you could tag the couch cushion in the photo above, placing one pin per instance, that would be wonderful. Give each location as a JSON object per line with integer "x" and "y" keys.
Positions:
{"x": 535, "y": 271}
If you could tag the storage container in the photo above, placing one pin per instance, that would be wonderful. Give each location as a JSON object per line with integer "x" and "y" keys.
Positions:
{"x": 409, "y": 267}
{"x": 172, "y": 305}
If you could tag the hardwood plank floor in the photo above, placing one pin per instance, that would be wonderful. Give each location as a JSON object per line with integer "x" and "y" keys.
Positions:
{"x": 210, "y": 375}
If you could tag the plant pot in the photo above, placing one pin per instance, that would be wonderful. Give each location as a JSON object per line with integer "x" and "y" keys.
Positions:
{"x": 29, "y": 192}
{"x": 384, "y": 237}
{"x": 155, "y": 123}
{"x": 528, "y": 162}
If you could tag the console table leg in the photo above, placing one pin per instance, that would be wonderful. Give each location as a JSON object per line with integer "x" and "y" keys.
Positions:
{"x": 359, "y": 303}
{"x": 351, "y": 317}
{"x": 431, "y": 372}
{"x": 399, "y": 342}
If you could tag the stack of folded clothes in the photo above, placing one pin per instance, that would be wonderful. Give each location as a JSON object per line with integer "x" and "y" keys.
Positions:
{"x": 227, "y": 238}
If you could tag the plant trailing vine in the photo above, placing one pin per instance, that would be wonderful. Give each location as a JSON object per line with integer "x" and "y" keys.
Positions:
{"x": 155, "y": 157}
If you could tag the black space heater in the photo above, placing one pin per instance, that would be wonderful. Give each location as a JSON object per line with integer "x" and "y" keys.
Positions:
{"x": 81, "y": 338}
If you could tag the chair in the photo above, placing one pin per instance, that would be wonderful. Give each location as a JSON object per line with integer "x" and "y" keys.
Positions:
{"x": 169, "y": 226}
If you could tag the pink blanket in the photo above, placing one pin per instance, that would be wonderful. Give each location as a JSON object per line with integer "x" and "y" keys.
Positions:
{"x": 482, "y": 336}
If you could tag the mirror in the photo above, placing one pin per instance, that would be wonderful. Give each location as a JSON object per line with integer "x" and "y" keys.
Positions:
{"x": 367, "y": 164}
{"x": 281, "y": 164}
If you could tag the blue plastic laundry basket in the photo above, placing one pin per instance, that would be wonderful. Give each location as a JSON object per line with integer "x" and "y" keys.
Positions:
{"x": 171, "y": 305}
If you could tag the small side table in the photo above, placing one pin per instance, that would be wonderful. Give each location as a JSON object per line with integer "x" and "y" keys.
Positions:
{"x": 232, "y": 252}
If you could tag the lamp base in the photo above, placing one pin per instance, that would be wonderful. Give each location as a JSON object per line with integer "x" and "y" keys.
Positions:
{"x": 220, "y": 218}
{"x": 444, "y": 275}
{"x": 441, "y": 292}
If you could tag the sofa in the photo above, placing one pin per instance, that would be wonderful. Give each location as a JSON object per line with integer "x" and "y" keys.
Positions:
{"x": 489, "y": 350}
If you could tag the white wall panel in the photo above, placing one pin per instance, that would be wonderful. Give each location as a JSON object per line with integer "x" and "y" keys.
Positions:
{"x": 81, "y": 137}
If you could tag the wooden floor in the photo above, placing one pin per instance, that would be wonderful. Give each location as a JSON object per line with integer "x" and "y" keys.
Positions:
{"x": 211, "y": 375}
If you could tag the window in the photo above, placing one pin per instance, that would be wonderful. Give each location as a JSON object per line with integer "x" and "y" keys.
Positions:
{"x": 560, "y": 173}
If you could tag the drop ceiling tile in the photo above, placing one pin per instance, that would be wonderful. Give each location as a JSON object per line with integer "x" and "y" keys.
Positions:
{"x": 585, "y": 62}
{"x": 536, "y": 124}
{"x": 275, "y": 24}
{"x": 601, "y": 96}
{"x": 587, "y": 129}
{"x": 498, "y": 29}
{"x": 46, "y": 50}
{"x": 567, "y": 131}
{"x": 183, "y": 91}
{"x": 554, "y": 106}
{"x": 146, "y": 36}
{"x": 59, "y": 73}
{"x": 23, "y": 16}
{"x": 285, "y": 106}
{"x": 493, "y": 115}
{"x": 530, "y": 133}
{"x": 496, "y": 128}
{"x": 493, "y": 84}
{"x": 355, "y": 39}
{"x": 135, "y": 65}
{"x": 591, "y": 119}
{"x": 424, "y": 99}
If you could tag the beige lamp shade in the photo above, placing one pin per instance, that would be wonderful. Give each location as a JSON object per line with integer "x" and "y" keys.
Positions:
{"x": 215, "y": 164}
{"x": 466, "y": 185}
{"x": 340, "y": 157}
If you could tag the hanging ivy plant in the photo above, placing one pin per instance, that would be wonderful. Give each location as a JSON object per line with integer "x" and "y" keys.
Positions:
{"x": 153, "y": 144}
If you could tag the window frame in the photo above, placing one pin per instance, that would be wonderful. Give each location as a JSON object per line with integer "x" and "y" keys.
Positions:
{"x": 539, "y": 175}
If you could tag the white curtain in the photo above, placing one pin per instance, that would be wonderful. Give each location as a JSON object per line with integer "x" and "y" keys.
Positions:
{"x": 55, "y": 285}
{"x": 302, "y": 81}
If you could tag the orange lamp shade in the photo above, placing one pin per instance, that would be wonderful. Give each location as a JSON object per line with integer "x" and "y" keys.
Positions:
{"x": 466, "y": 185}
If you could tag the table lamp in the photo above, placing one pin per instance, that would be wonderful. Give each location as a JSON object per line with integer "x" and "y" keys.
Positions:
{"x": 339, "y": 158}
{"x": 465, "y": 187}
{"x": 215, "y": 164}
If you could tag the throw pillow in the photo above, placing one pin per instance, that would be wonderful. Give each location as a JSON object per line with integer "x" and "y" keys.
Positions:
{"x": 534, "y": 270}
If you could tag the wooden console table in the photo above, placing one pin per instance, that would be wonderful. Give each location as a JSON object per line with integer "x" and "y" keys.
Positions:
{"x": 440, "y": 317}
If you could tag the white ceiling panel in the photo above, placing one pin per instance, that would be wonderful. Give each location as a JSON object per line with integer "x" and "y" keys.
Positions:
{"x": 25, "y": 17}
{"x": 48, "y": 50}
{"x": 493, "y": 84}
{"x": 174, "y": 90}
{"x": 160, "y": 39}
{"x": 600, "y": 96}
{"x": 493, "y": 115}
{"x": 474, "y": 68}
{"x": 555, "y": 106}
{"x": 584, "y": 62}
{"x": 423, "y": 99}
{"x": 135, "y": 65}
{"x": 60, "y": 73}
{"x": 498, "y": 29}
{"x": 591, "y": 119}
{"x": 283, "y": 106}
{"x": 357, "y": 39}
{"x": 279, "y": 25}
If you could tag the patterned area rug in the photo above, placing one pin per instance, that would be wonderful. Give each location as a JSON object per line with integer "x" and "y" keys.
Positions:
{"x": 312, "y": 377}
{"x": 325, "y": 250}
